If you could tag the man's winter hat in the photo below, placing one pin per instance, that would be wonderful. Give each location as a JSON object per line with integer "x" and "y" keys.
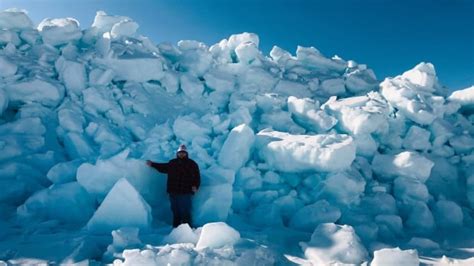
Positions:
{"x": 182, "y": 147}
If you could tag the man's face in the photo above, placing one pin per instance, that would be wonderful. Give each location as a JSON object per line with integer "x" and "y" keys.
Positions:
{"x": 181, "y": 154}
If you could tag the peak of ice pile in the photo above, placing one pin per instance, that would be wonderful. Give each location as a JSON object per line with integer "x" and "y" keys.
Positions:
{"x": 123, "y": 206}
{"x": 297, "y": 142}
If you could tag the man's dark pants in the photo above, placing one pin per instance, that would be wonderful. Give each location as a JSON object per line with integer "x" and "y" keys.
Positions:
{"x": 181, "y": 208}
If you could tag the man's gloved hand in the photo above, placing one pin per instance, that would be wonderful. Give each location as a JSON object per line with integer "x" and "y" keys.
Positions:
{"x": 148, "y": 162}
{"x": 194, "y": 189}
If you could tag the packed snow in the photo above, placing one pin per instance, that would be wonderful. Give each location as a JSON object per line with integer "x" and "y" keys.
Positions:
{"x": 304, "y": 159}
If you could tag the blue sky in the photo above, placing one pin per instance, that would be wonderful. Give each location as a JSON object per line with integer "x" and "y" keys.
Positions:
{"x": 390, "y": 36}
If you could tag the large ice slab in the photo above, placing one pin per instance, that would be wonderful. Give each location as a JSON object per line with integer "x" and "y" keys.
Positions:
{"x": 122, "y": 207}
{"x": 35, "y": 90}
{"x": 182, "y": 234}
{"x": 15, "y": 19}
{"x": 297, "y": 153}
{"x": 236, "y": 149}
{"x": 59, "y": 31}
{"x": 69, "y": 203}
{"x": 134, "y": 69}
{"x": 407, "y": 163}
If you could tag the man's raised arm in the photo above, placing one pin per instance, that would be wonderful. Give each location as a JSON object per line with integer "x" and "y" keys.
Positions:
{"x": 161, "y": 167}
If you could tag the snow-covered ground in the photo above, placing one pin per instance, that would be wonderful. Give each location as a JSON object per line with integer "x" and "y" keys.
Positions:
{"x": 304, "y": 159}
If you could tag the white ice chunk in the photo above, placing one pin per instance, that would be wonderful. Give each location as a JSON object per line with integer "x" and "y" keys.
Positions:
{"x": 464, "y": 97}
{"x": 224, "y": 49}
{"x": 310, "y": 216}
{"x": 35, "y": 90}
{"x": 412, "y": 94}
{"x": 247, "y": 52}
{"x": 15, "y": 19}
{"x": 122, "y": 207}
{"x": 124, "y": 28}
{"x": 334, "y": 244}
{"x": 366, "y": 145}
{"x": 407, "y": 163}
{"x": 306, "y": 113}
{"x": 245, "y": 37}
{"x": 60, "y": 30}
{"x": 280, "y": 55}
{"x": 423, "y": 75}
{"x": 104, "y": 23}
{"x": 217, "y": 235}
{"x": 181, "y": 234}
{"x": 126, "y": 237}
{"x": 296, "y": 153}
{"x": 395, "y": 257}
{"x": 312, "y": 58}
{"x": 236, "y": 149}
{"x": 361, "y": 114}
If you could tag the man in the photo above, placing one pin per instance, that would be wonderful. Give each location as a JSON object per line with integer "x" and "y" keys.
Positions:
{"x": 183, "y": 181}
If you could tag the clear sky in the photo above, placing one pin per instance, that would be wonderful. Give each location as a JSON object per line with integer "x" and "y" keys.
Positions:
{"x": 390, "y": 36}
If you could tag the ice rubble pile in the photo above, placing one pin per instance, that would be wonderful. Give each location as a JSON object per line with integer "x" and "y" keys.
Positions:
{"x": 306, "y": 140}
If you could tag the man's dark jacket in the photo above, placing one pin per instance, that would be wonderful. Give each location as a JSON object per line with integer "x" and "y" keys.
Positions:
{"x": 183, "y": 174}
